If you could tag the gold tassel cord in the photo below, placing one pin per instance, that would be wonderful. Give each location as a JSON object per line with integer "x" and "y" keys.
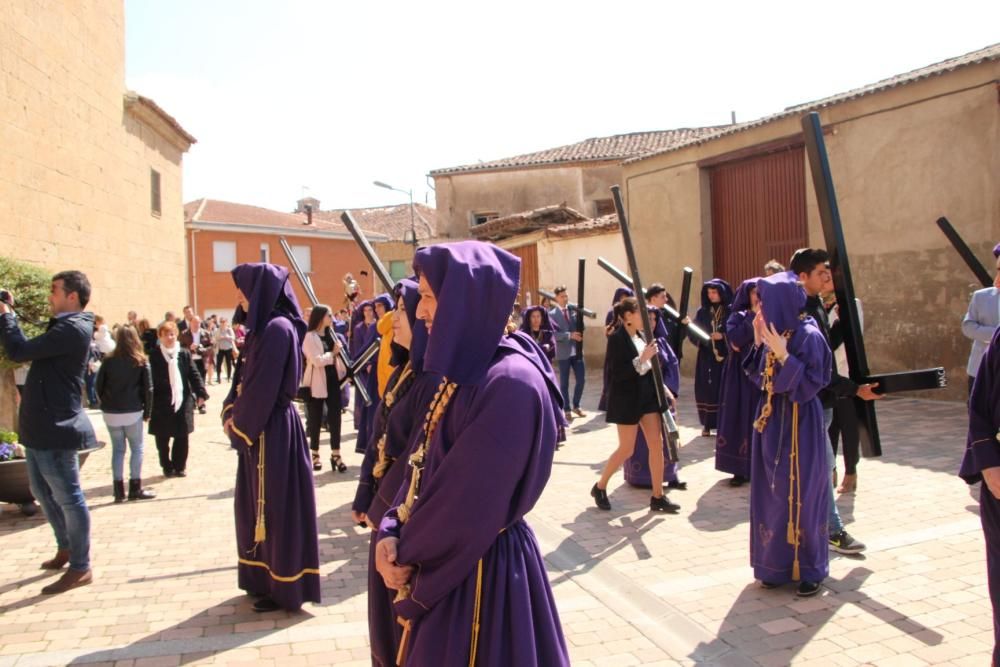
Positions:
{"x": 260, "y": 529}
{"x": 404, "y": 640}
{"x": 391, "y": 396}
{"x": 475, "y": 614}
{"x": 796, "y": 475}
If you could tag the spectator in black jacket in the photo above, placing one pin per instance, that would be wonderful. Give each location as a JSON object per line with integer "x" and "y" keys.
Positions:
{"x": 125, "y": 387}
{"x": 52, "y": 423}
{"x": 812, "y": 267}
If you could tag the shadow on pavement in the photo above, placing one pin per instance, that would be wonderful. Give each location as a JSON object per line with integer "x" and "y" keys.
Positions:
{"x": 341, "y": 541}
{"x": 721, "y": 507}
{"x": 744, "y": 635}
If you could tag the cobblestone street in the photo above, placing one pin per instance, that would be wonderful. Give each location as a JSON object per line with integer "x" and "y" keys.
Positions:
{"x": 633, "y": 588}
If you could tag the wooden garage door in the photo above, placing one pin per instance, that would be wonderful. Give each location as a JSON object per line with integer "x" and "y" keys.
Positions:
{"x": 758, "y": 213}
{"x": 529, "y": 272}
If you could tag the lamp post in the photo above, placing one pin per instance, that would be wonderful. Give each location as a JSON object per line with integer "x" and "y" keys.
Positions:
{"x": 409, "y": 193}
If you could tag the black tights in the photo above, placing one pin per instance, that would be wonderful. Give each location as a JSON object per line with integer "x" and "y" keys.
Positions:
{"x": 227, "y": 356}
{"x": 845, "y": 425}
{"x": 314, "y": 419}
{"x": 172, "y": 460}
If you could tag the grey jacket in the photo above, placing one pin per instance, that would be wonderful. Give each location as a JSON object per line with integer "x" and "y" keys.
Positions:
{"x": 565, "y": 346}
{"x": 979, "y": 323}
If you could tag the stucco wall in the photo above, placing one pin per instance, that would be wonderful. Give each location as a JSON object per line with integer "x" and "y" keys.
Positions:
{"x": 509, "y": 192}
{"x": 900, "y": 159}
{"x": 74, "y": 168}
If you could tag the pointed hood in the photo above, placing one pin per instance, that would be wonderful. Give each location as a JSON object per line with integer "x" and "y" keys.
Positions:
{"x": 475, "y": 285}
{"x": 620, "y": 294}
{"x": 782, "y": 299}
{"x": 742, "y": 299}
{"x": 269, "y": 293}
{"x": 386, "y": 300}
{"x": 725, "y": 292}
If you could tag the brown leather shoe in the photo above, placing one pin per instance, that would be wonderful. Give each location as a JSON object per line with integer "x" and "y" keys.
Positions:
{"x": 62, "y": 557}
{"x": 579, "y": 413}
{"x": 70, "y": 579}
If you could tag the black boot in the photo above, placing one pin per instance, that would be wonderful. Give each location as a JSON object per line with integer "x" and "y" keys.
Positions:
{"x": 136, "y": 492}
{"x": 119, "y": 485}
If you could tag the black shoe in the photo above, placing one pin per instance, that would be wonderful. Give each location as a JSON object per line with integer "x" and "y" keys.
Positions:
{"x": 768, "y": 585}
{"x": 265, "y": 604}
{"x": 677, "y": 485}
{"x": 661, "y": 504}
{"x": 706, "y": 433}
{"x": 168, "y": 472}
{"x": 843, "y": 543}
{"x": 136, "y": 492}
{"x": 201, "y": 410}
{"x": 807, "y": 589}
{"x": 738, "y": 480}
{"x": 180, "y": 473}
{"x": 119, "y": 486}
{"x": 337, "y": 463}
{"x": 600, "y": 498}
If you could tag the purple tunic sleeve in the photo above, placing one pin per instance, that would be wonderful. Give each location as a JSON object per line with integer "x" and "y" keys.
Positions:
{"x": 739, "y": 329}
{"x": 753, "y": 365}
{"x": 262, "y": 382}
{"x": 982, "y": 448}
{"x": 807, "y": 369}
{"x": 455, "y": 522}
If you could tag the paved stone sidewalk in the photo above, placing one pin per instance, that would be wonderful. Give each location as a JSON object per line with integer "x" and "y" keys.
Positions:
{"x": 632, "y": 588}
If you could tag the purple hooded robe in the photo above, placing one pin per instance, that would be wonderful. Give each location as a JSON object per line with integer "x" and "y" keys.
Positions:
{"x": 276, "y": 531}
{"x": 773, "y": 527}
{"x": 362, "y": 336}
{"x": 739, "y": 397}
{"x": 398, "y": 422}
{"x": 983, "y": 451}
{"x": 708, "y": 373}
{"x": 479, "y": 593}
{"x": 545, "y": 336}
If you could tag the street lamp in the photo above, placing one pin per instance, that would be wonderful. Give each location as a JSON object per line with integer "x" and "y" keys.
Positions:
{"x": 410, "y": 238}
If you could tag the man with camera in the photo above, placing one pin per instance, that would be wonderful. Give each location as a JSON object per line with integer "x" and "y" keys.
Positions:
{"x": 52, "y": 424}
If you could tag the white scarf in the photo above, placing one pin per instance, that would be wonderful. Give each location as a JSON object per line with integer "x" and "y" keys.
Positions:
{"x": 174, "y": 373}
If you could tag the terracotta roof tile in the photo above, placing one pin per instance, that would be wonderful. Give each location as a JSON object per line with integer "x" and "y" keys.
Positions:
{"x": 617, "y": 147}
{"x": 393, "y": 221}
{"x": 990, "y": 53}
{"x": 526, "y": 222}
{"x": 605, "y": 224}
{"x": 224, "y": 212}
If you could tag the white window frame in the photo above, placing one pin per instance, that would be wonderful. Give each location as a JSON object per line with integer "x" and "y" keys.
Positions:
{"x": 265, "y": 252}
{"x": 223, "y": 256}
{"x": 303, "y": 256}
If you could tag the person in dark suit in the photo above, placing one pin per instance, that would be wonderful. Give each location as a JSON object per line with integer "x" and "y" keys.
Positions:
{"x": 197, "y": 340}
{"x": 177, "y": 385}
{"x": 51, "y": 422}
{"x": 632, "y": 403}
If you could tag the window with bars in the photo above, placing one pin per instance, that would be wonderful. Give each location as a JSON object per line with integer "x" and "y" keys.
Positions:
{"x": 155, "y": 203}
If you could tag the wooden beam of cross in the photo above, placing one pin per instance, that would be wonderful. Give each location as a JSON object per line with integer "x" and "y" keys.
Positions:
{"x": 965, "y": 252}
{"x": 854, "y": 344}
{"x": 353, "y": 368}
{"x": 586, "y": 312}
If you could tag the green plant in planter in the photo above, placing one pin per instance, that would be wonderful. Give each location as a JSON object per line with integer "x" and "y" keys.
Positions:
{"x": 30, "y": 286}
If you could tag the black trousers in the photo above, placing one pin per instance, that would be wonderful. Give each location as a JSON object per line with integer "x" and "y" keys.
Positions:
{"x": 845, "y": 427}
{"x": 226, "y": 356}
{"x": 200, "y": 365}
{"x": 314, "y": 418}
{"x": 172, "y": 460}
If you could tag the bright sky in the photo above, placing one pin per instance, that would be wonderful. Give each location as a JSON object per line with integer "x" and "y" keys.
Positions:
{"x": 333, "y": 95}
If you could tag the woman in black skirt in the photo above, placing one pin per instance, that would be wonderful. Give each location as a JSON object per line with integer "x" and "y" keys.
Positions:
{"x": 632, "y": 404}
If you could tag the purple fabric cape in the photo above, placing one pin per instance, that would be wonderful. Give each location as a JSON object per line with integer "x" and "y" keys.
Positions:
{"x": 739, "y": 398}
{"x": 362, "y": 337}
{"x": 708, "y": 372}
{"x": 983, "y": 451}
{"x": 456, "y": 531}
{"x": 285, "y": 564}
{"x": 546, "y": 332}
{"x": 797, "y": 381}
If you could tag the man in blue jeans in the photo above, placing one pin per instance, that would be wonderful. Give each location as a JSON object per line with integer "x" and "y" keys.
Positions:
{"x": 568, "y": 352}
{"x": 51, "y": 422}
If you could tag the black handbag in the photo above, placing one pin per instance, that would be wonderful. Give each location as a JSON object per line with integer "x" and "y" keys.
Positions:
{"x": 304, "y": 392}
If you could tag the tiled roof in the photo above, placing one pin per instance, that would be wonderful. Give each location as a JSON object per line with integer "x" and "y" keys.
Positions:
{"x": 224, "y": 212}
{"x": 526, "y": 222}
{"x": 990, "y": 53}
{"x": 617, "y": 147}
{"x": 605, "y": 224}
{"x": 133, "y": 98}
{"x": 393, "y": 221}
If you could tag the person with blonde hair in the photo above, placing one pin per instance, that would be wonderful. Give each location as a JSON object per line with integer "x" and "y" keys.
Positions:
{"x": 125, "y": 387}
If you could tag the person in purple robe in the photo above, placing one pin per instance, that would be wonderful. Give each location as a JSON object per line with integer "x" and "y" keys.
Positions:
{"x": 275, "y": 504}
{"x": 364, "y": 332}
{"x": 609, "y": 328}
{"x": 789, "y": 481}
{"x": 535, "y": 322}
{"x": 471, "y": 582}
{"x": 398, "y": 419}
{"x": 738, "y": 398}
{"x": 982, "y": 463}
{"x": 716, "y": 295}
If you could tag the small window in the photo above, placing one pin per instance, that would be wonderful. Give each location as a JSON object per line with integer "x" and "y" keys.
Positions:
{"x": 154, "y": 192}
{"x": 603, "y": 207}
{"x": 397, "y": 269}
{"x": 223, "y": 256}
{"x": 265, "y": 253}
{"x": 483, "y": 217}
{"x": 303, "y": 255}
